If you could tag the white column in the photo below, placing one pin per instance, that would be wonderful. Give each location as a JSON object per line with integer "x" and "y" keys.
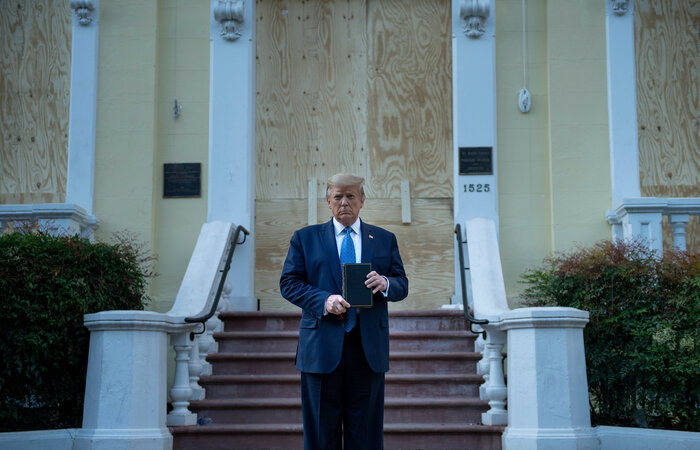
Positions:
{"x": 474, "y": 111}
{"x": 125, "y": 390}
{"x": 622, "y": 100}
{"x": 231, "y": 187}
{"x": 547, "y": 386}
{"x": 181, "y": 391}
{"x": 495, "y": 390}
{"x": 678, "y": 224}
{"x": 80, "y": 184}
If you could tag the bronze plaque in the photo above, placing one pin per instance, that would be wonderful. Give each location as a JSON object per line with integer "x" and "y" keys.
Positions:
{"x": 182, "y": 180}
{"x": 475, "y": 161}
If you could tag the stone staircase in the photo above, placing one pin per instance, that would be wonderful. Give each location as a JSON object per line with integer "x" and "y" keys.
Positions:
{"x": 253, "y": 400}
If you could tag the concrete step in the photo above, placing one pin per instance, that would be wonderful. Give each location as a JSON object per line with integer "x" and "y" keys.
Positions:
{"x": 286, "y": 341}
{"x": 252, "y": 363}
{"x": 399, "y": 362}
{"x": 444, "y": 363}
{"x": 423, "y": 436}
{"x": 288, "y": 410}
{"x": 253, "y": 395}
{"x": 260, "y": 320}
{"x": 427, "y": 320}
{"x": 287, "y": 385}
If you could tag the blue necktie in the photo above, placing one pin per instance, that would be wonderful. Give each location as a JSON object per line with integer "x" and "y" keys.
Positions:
{"x": 347, "y": 256}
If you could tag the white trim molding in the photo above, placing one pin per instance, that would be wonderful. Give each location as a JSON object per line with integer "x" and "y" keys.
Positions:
{"x": 82, "y": 9}
{"x": 622, "y": 102}
{"x": 229, "y": 15}
{"x": 231, "y": 178}
{"x": 473, "y": 119}
{"x": 82, "y": 122}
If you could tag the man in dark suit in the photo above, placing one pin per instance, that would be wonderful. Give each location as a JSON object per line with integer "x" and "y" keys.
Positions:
{"x": 343, "y": 352}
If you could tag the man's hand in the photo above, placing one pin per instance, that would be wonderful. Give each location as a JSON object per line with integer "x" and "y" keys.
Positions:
{"x": 376, "y": 282}
{"x": 336, "y": 304}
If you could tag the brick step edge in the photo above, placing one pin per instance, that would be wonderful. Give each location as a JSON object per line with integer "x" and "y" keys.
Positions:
{"x": 389, "y": 402}
{"x": 297, "y": 314}
{"x": 295, "y": 334}
{"x": 393, "y": 355}
{"x": 294, "y": 378}
{"x": 390, "y": 428}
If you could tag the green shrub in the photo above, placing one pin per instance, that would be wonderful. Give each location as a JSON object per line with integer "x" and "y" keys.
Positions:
{"x": 643, "y": 340}
{"x": 47, "y": 284}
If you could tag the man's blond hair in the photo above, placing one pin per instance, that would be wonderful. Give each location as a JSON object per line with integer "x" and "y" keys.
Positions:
{"x": 345, "y": 180}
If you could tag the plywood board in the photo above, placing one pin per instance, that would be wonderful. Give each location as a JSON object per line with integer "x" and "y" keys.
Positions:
{"x": 410, "y": 97}
{"x": 360, "y": 86}
{"x": 426, "y": 246}
{"x": 311, "y": 94}
{"x": 668, "y": 97}
{"x": 35, "y": 39}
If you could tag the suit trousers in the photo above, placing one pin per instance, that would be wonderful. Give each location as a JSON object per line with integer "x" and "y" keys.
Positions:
{"x": 346, "y": 405}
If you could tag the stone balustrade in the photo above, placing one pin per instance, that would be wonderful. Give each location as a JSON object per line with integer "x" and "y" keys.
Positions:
{"x": 125, "y": 393}
{"x": 642, "y": 217}
{"x": 547, "y": 392}
{"x": 54, "y": 218}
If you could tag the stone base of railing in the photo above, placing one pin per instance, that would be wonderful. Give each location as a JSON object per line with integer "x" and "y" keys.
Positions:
{"x": 125, "y": 391}
{"x": 547, "y": 387}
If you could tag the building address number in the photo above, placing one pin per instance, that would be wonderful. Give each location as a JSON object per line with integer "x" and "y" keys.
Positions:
{"x": 477, "y": 187}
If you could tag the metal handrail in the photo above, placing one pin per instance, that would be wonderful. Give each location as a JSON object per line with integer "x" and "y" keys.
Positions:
{"x": 222, "y": 281}
{"x": 465, "y": 303}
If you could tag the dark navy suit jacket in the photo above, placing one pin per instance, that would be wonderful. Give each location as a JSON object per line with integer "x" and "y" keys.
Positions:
{"x": 312, "y": 272}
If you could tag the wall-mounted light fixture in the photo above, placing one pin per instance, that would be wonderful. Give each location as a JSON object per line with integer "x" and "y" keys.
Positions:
{"x": 177, "y": 107}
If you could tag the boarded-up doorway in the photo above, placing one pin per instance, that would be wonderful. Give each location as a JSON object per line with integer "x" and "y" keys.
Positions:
{"x": 363, "y": 87}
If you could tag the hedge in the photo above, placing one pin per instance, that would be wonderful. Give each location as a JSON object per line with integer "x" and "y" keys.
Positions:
{"x": 47, "y": 284}
{"x": 643, "y": 340}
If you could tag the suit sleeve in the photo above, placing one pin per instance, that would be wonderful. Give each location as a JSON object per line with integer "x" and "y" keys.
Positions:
{"x": 294, "y": 282}
{"x": 398, "y": 282}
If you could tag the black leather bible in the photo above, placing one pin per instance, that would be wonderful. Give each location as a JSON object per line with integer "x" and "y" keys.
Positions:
{"x": 354, "y": 290}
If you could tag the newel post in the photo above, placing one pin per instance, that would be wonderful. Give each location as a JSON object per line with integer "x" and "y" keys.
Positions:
{"x": 125, "y": 390}
{"x": 547, "y": 386}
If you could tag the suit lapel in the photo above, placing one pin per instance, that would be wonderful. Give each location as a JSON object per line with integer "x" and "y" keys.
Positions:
{"x": 330, "y": 248}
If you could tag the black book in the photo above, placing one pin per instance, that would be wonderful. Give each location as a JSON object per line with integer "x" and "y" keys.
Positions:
{"x": 354, "y": 290}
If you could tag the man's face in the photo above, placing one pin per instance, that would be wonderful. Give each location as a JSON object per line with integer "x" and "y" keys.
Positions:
{"x": 345, "y": 202}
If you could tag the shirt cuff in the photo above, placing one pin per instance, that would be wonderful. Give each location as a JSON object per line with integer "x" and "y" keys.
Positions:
{"x": 386, "y": 293}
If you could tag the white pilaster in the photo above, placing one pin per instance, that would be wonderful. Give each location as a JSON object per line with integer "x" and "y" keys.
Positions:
{"x": 547, "y": 386}
{"x": 622, "y": 100}
{"x": 83, "y": 104}
{"x": 474, "y": 110}
{"x": 231, "y": 188}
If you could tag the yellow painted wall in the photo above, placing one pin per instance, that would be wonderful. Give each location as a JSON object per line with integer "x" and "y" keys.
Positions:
{"x": 578, "y": 125}
{"x": 124, "y": 160}
{"x": 183, "y": 74}
{"x": 523, "y": 141}
{"x": 143, "y": 67}
{"x": 554, "y": 170}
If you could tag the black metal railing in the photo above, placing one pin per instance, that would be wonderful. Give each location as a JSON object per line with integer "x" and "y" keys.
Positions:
{"x": 203, "y": 319}
{"x": 462, "y": 275}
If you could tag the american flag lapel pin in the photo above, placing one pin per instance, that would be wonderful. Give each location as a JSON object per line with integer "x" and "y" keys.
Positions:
{"x": 371, "y": 237}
